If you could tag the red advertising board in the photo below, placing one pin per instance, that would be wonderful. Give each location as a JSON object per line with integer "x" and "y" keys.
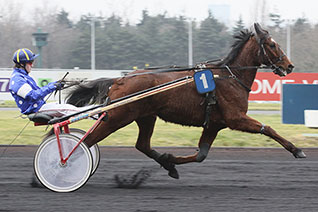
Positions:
{"x": 267, "y": 86}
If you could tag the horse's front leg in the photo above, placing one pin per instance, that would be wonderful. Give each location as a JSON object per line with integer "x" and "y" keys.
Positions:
{"x": 247, "y": 124}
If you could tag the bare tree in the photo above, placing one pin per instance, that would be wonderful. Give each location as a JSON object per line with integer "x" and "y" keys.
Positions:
{"x": 61, "y": 35}
{"x": 15, "y": 32}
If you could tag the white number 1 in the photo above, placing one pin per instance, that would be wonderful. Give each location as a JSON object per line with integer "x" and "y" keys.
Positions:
{"x": 204, "y": 81}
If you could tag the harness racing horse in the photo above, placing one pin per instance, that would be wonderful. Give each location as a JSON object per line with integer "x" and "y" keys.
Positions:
{"x": 185, "y": 106}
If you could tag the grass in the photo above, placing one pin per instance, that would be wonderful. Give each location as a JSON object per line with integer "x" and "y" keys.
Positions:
{"x": 165, "y": 134}
{"x": 264, "y": 106}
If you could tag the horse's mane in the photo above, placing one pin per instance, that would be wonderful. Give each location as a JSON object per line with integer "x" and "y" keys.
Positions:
{"x": 92, "y": 92}
{"x": 240, "y": 39}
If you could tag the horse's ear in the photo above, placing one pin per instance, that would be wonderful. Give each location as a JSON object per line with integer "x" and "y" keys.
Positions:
{"x": 260, "y": 33}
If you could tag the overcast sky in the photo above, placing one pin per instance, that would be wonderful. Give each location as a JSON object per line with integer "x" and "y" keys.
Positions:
{"x": 195, "y": 9}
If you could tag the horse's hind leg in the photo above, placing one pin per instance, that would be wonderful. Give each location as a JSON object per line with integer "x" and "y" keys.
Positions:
{"x": 206, "y": 140}
{"x": 146, "y": 126}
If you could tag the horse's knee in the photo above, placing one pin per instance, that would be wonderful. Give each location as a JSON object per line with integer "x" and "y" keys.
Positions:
{"x": 203, "y": 152}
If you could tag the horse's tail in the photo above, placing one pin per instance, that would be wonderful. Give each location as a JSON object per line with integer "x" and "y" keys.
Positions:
{"x": 93, "y": 92}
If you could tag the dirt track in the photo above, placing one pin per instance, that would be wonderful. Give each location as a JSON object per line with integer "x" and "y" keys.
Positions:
{"x": 228, "y": 180}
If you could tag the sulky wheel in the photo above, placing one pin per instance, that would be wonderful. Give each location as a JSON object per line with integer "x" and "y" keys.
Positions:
{"x": 63, "y": 177}
{"x": 94, "y": 149}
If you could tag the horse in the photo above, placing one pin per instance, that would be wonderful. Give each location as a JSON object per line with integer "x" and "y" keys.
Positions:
{"x": 185, "y": 106}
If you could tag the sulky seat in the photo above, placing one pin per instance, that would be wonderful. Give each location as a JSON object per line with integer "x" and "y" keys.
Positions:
{"x": 41, "y": 118}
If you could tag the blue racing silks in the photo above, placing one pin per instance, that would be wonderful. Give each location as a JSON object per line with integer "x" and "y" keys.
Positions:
{"x": 28, "y": 96}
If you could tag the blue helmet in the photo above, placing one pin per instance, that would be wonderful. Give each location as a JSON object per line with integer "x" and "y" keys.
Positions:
{"x": 23, "y": 56}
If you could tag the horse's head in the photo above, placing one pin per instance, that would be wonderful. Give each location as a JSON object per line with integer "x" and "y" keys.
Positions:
{"x": 271, "y": 53}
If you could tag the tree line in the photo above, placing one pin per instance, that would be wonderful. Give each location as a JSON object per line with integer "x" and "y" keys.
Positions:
{"x": 155, "y": 41}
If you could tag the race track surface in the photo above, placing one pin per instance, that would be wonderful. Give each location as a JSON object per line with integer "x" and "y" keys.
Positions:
{"x": 230, "y": 179}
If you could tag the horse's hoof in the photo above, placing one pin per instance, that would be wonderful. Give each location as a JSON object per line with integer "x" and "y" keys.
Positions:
{"x": 163, "y": 160}
{"x": 173, "y": 173}
{"x": 299, "y": 154}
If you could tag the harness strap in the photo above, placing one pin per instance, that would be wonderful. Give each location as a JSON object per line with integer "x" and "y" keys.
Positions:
{"x": 232, "y": 75}
{"x": 237, "y": 79}
{"x": 210, "y": 100}
{"x": 161, "y": 71}
{"x": 197, "y": 67}
{"x": 244, "y": 86}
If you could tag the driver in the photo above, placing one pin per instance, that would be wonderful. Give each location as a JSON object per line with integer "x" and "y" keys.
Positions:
{"x": 28, "y": 96}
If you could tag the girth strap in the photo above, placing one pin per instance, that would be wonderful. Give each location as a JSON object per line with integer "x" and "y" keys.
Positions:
{"x": 210, "y": 100}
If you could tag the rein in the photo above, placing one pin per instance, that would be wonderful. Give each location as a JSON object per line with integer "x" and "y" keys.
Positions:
{"x": 163, "y": 69}
{"x": 201, "y": 67}
{"x": 197, "y": 67}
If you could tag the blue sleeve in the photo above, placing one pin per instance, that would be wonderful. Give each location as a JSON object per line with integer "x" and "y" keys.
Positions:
{"x": 15, "y": 83}
{"x": 40, "y": 93}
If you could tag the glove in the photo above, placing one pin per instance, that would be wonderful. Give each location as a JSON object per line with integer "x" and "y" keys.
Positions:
{"x": 59, "y": 85}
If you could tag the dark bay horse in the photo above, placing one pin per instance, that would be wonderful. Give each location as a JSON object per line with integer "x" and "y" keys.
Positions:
{"x": 185, "y": 106}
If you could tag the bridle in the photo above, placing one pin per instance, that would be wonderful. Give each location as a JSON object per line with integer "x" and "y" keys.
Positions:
{"x": 276, "y": 69}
